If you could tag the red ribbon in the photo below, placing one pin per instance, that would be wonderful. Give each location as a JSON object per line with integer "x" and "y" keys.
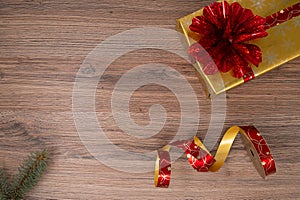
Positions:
{"x": 282, "y": 16}
{"x": 226, "y": 30}
{"x": 201, "y": 160}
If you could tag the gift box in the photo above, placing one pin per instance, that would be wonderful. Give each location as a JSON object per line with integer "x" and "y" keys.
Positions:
{"x": 280, "y": 45}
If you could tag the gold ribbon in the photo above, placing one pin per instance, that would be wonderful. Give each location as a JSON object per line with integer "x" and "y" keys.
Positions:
{"x": 255, "y": 145}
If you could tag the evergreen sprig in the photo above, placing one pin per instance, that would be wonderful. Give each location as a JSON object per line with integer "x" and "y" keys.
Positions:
{"x": 29, "y": 174}
{"x": 4, "y": 185}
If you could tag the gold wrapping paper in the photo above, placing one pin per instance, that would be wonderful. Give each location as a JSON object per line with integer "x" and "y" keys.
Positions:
{"x": 281, "y": 45}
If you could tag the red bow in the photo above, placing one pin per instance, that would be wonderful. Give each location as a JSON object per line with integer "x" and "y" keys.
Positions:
{"x": 225, "y": 29}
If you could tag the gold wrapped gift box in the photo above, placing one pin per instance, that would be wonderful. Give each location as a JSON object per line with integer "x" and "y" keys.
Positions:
{"x": 281, "y": 45}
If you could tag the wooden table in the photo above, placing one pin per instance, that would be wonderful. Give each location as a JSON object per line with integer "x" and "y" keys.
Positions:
{"x": 42, "y": 46}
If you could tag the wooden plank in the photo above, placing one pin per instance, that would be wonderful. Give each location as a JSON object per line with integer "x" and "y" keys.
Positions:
{"x": 42, "y": 45}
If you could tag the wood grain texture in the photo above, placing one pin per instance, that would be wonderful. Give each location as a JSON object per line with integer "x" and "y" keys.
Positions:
{"x": 42, "y": 45}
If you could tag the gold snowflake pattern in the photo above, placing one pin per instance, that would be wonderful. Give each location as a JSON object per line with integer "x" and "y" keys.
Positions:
{"x": 259, "y": 5}
{"x": 270, "y": 57}
{"x": 288, "y": 45}
{"x": 296, "y": 22}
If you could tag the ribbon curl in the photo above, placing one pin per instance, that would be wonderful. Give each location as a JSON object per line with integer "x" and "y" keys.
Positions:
{"x": 201, "y": 160}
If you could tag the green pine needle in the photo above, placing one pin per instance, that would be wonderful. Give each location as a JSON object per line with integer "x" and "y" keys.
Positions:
{"x": 29, "y": 174}
{"x": 4, "y": 185}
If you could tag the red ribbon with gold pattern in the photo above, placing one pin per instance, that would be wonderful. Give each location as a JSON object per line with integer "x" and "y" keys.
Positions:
{"x": 201, "y": 160}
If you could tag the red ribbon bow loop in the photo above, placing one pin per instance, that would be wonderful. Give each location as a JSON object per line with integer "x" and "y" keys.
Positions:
{"x": 225, "y": 29}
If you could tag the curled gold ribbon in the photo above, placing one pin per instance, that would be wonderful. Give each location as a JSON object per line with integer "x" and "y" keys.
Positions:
{"x": 201, "y": 160}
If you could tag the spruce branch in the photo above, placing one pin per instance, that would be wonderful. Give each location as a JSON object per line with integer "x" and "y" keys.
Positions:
{"x": 4, "y": 185}
{"x": 29, "y": 174}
